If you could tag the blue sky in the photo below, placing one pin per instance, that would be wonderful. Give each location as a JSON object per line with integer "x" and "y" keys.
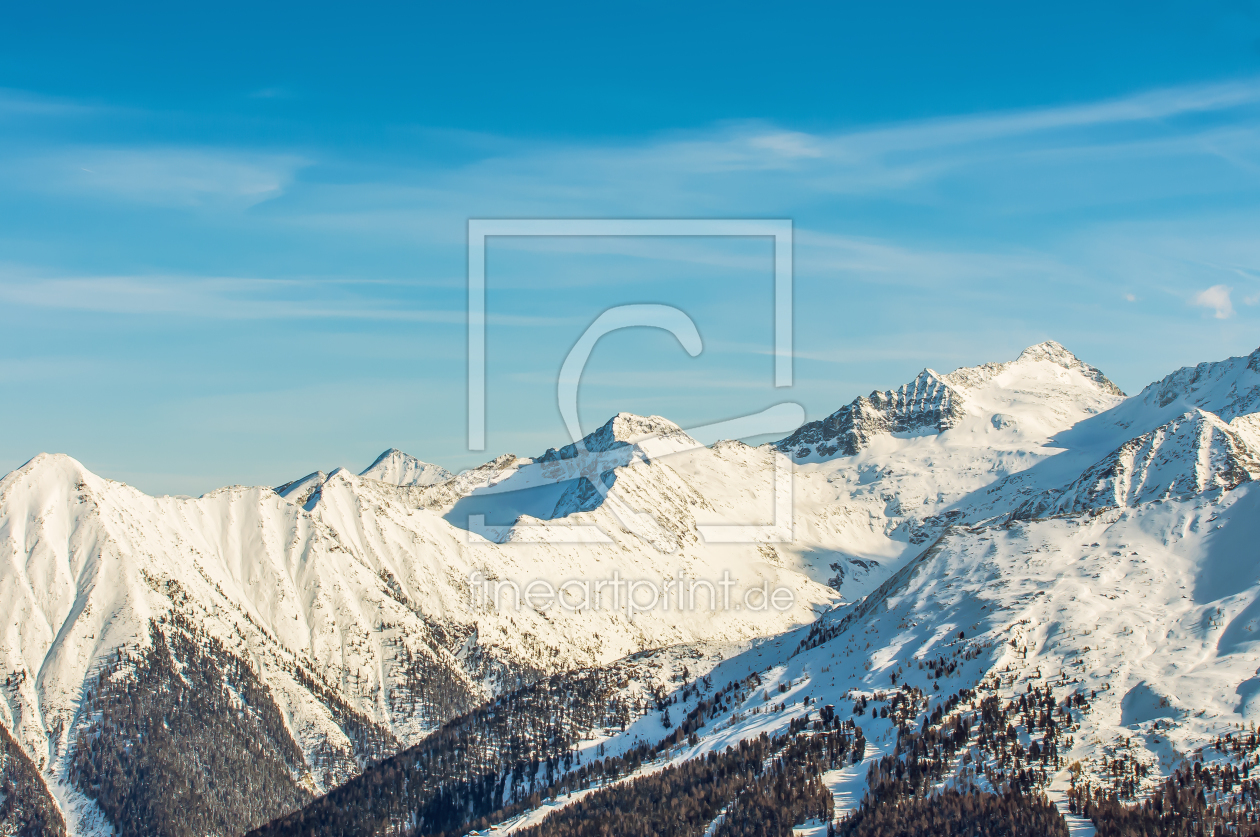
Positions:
{"x": 232, "y": 239}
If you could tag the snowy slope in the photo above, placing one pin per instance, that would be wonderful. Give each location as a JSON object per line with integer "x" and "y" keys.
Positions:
{"x": 1148, "y": 613}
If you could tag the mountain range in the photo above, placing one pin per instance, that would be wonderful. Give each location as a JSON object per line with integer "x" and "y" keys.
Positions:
{"x": 269, "y": 655}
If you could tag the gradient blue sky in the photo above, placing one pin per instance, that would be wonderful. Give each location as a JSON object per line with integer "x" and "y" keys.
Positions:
{"x": 232, "y": 238}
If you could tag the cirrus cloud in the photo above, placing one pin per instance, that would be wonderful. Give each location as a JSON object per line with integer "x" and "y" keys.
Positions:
{"x": 166, "y": 176}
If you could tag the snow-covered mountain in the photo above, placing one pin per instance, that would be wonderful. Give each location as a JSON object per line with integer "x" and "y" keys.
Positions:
{"x": 394, "y": 466}
{"x": 344, "y": 602}
{"x": 1047, "y": 385}
{"x": 334, "y": 620}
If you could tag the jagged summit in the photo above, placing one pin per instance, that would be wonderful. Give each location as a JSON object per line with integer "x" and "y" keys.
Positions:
{"x": 1228, "y": 387}
{"x": 926, "y": 403}
{"x": 394, "y": 466}
{"x": 1046, "y": 383}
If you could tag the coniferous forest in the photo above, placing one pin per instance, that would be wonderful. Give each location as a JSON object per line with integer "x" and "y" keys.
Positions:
{"x": 26, "y": 809}
{"x": 508, "y": 749}
{"x": 183, "y": 739}
{"x": 955, "y": 814}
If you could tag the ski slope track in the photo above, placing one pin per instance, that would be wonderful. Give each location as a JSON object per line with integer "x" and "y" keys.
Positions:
{"x": 1023, "y": 520}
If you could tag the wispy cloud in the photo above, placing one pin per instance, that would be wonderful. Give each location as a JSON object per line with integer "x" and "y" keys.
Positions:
{"x": 1141, "y": 107}
{"x": 731, "y": 168}
{"x": 1046, "y": 159}
{"x": 236, "y": 298}
{"x": 163, "y": 176}
{"x": 22, "y": 103}
{"x": 875, "y": 260}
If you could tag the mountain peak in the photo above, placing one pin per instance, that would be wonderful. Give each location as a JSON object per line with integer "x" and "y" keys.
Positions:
{"x": 1052, "y": 351}
{"x": 1048, "y": 351}
{"x": 631, "y": 427}
{"x": 653, "y": 435}
{"x": 394, "y": 466}
{"x": 935, "y": 403}
{"x": 58, "y": 467}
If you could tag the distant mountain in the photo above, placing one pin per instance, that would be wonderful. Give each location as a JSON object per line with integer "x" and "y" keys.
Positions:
{"x": 398, "y": 468}
{"x": 1046, "y": 383}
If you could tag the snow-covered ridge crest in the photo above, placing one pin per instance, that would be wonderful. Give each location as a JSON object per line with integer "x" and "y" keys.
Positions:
{"x": 652, "y": 435}
{"x": 623, "y": 439}
{"x": 482, "y": 477}
{"x": 926, "y": 403}
{"x": 1194, "y": 453}
{"x": 580, "y": 477}
{"x": 1228, "y": 388}
{"x": 393, "y": 466}
{"x": 1046, "y": 382}
{"x": 300, "y": 490}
